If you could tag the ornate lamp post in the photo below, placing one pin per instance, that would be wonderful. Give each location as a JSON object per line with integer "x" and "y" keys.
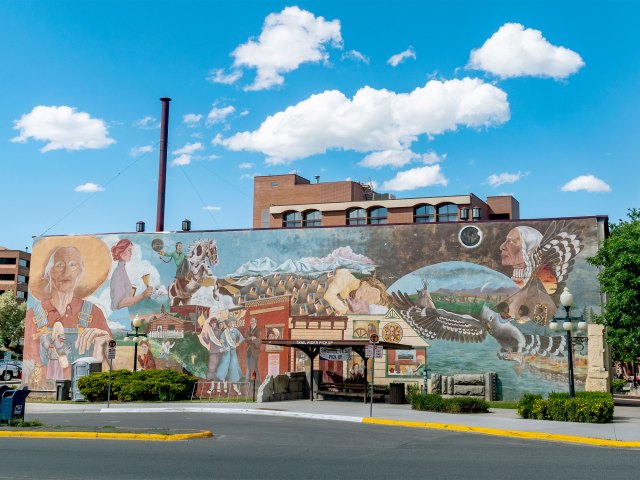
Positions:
{"x": 135, "y": 337}
{"x": 566, "y": 299}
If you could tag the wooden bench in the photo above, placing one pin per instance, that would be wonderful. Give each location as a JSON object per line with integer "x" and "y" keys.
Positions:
{"x": 351, "y": 391}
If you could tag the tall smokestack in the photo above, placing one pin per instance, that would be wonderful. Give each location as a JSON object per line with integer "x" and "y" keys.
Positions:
{"x": 162, "y": 164}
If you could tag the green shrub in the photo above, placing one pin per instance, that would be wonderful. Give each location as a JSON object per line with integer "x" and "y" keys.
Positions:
{"x": 128, "y": 386}
{"x": 435, "y": 403}
{"x": 525, "y": 405}
{"x": 412, "y": 390}
{"x": 586, "y": 407}
{"x": 618, "y": 384}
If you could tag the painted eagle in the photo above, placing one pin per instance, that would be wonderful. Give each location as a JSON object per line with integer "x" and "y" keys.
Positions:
{"x": 436, "y": 323}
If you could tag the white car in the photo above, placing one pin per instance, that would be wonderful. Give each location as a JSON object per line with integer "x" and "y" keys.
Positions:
{"x": 10, "y": 369}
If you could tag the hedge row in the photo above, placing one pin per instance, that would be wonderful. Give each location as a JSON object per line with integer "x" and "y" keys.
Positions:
{"x": 586, "y": 407}
{"x": 128, "y": 386}
{"x": 435, "y": 403}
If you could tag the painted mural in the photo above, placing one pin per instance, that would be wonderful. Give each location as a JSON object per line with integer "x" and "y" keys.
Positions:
{"x": 468, "y": 297}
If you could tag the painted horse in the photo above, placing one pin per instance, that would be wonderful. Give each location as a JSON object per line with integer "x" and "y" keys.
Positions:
{"x": 202, "y": 255}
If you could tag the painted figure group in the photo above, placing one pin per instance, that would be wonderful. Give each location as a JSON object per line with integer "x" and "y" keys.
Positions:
{"x": 221, "y": 339}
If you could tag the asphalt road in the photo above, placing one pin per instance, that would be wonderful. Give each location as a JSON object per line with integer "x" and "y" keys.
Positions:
{"x": 258, "y": 447}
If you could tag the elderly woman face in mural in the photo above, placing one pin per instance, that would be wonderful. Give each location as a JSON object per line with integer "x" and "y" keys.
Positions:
{"x": 63, "y": 272}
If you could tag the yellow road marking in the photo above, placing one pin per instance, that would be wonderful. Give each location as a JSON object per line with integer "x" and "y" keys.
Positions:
{"x": 508, "y": 433}
{"x": 147, "y": 437}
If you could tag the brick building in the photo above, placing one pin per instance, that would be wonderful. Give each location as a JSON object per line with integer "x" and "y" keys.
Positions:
{"x": 293, "y": 201}
{"x": 14, "y": 272}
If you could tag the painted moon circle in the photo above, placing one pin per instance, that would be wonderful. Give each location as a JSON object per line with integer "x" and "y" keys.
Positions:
{"x": 470, "y": 236}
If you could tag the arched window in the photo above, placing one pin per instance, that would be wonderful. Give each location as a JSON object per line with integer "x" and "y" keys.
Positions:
{"x": 424, "y": 214}
{"x": 377, "y": 216}
{"x": 311, "y": 218}
{"x": 291, "y": 219}
{"x": 357, "y": 216}
{"x": 448, "y": 213}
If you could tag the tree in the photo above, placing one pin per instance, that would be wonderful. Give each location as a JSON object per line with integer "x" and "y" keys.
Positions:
{"x": 12, "y": 316}
{"x": 619, "y": 260}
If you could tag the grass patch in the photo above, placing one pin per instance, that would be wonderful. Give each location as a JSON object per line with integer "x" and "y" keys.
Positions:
{"x": 26, "y": 423}
{"x": 503, "y": 404}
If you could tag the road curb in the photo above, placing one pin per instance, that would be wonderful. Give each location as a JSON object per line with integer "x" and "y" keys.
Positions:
{"x": 146, "y": 437}
{"x": 552, "y": 437}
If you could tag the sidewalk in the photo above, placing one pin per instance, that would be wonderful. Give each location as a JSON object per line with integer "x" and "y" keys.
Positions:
{"x": 625, "y": 427}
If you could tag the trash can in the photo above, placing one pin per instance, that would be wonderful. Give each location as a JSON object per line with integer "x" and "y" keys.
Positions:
{"x": 397, "y": 394}
{"x": 63, "y": 390}
{"x": 12, "y": 405}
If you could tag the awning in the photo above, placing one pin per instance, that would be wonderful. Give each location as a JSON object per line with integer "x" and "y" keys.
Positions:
{"x": 312, "y": 348}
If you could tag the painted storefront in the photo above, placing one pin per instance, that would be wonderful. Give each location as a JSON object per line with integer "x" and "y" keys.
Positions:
{"x": 469, "y": 297}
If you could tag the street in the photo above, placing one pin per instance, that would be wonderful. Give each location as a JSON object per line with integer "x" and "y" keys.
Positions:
{"x": 248, "y": 447}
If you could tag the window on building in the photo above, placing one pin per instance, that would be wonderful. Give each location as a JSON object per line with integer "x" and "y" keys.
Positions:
{"x": 424, "y": 214}
{"x": 7, "y": 261}
{"x": 274, "y": 184}
{"x": 448, "y": 213}
{"x": 22, "y": 279}
{"x": 357, "y": 216}
{"x": 311, "y": 218}
{"x": 377, "y": 216}
{"x": 292, "y": 219}
{"x": 23, "y": 263}
{"x": 7, "y": 277}
{"x": 20, "y": 294}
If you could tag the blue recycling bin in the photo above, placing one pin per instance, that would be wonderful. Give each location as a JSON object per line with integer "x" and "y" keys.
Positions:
{"x": 12, "y": 404}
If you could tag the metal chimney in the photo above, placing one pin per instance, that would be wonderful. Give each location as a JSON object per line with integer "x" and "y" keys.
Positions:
{"x": 162, "y": 167}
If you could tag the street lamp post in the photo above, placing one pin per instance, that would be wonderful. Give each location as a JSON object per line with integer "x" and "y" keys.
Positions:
{"x": 135, "y": 337}
{"x": 566, "y": 299}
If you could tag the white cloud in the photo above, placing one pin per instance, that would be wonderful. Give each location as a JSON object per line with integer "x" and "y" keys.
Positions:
{"x": 218, "y": 76}
{"x": 355, "y": 55}
{"x": 249, "y": 176}
{"x": 588, "y": 183}
{"x": 245, "y": 166}
{"x": 431, "y": 158}
{"x": 373, "y": 121}
{"x": 62, "y": 128}
{"x": 89, "y": 188}
{"x": 189, "y": 148}
{"x": 147, "y": 123}
{"x": 389, "y": 158}
{"x": 514, "y": 51}
{"x": 502, "y": 178}
{"x": 416, "y": 178}
{"x": 137, "y": 151}
{"x": 219, "y": 115}
{"x": 181, "y": 160}
{"x": 191, "y": 120}
{"x": 398, "y": 58}
{"x": 212, "y": 208}
{"x": 185, "y": 154}
{"x": 288, "y": 39}
{"x": 244, "y": 113}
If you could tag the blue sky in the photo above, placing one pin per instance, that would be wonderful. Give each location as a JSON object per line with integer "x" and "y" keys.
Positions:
{"x": 535, "y": 99}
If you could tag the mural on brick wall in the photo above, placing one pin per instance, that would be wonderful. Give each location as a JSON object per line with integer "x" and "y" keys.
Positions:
{"x": 475, "y": 297}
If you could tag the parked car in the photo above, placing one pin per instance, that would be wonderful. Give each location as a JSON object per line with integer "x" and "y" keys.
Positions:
{"x": 10, "y": 369}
